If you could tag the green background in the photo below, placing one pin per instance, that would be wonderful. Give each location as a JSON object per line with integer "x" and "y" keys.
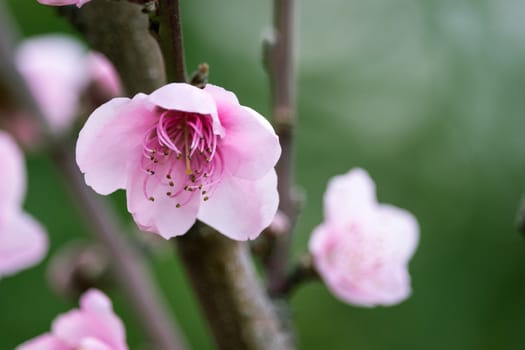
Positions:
{"x": 425, "y": 95}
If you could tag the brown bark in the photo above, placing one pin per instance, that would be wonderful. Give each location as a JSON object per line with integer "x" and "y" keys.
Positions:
{"x": 238, "y": 311}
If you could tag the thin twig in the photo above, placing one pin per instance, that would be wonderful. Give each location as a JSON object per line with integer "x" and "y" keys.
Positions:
{"x": 282, "y": 74}
{"x": 304, "y": 271}
{"x": 171, "y": 40}
{"x": 130, "y": 270}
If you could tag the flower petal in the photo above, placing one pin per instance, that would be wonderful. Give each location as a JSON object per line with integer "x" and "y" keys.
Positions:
{"x": 110, "y": 139}
{"x": 161, "y": 215}
{"x": 187, "y": 98}
{"x": 23, "y": 243}
{"x": 95, "y": 320}
{"x": 12, "y": 173}
{"x": 400, "y": 227}
{"x": 103, "y": 75}
{"x": 250, "y": 146}
{"x": 79, "y": 3}
{"x": 93, "y": 344}
{"x": 358, "y": 267}
{"x": 44, "y": 342}
{"x": 95, "y": 301}
{"x": 349, "y": 195}
{"x": 241, "y": 209}
{"x": 55, "y": 69}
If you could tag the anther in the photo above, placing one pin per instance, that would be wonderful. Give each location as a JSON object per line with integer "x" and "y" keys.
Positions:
{"x": 168, "y": 194}
{"x": 168, "y": 176}
{"x": 171, "y": 184}
{"x": 206, "y": 198}
{"x": 151, "y": 199}
{"x": 178, "y": 205}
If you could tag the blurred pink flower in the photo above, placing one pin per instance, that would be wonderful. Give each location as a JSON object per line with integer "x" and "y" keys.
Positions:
{"x": 184, "y": 153}
{"x": 79, "y": 3}
{"x": 23, "y": 241}
{"x": 103, "y": 75}
{"x": 92, "y": 327}
{"x": 362, "y": 249}
{"x": 59, "y": 70}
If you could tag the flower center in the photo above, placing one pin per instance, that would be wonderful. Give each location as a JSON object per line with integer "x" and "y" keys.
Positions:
{"x": 181, "y": 153}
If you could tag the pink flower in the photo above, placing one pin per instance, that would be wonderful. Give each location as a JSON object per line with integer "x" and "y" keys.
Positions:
{"x": 92, "y": 327}
{"x": 79, "y": 3}
{"x": 362, "y": 249}
{"x": 184, "y": 153}
{"x": 103, "y": 75}
{"x": 23, "y": 241}
{"x": 58, "y": 70}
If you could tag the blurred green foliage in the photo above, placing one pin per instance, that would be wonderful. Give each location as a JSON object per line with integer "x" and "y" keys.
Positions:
{"x": 426, "y": 95}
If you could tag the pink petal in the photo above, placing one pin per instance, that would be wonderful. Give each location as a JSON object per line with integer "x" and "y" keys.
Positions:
{"x": 93, "y": 344}
{"x": 110, "y": 139}
{"x": 79, "y": 3}
{"x": 162, "y": 215}
{"x": 241, "y": 209}
{"x": 388, "y": 286}
{"x": 44, "y": 342}
{"x": 402, "y": 229}
{"x": 23, "y": 243}
{"x": 103, "y": 74}
{"x": 95, "y": 301}
{"x": 250, "y": 146}
{"x": 187, "y": 98}
{"x": 12, "y": 173}
{"x": 352, "y": 194}
{"x": 95, "y": 320}
{"x": 55, "y": 68}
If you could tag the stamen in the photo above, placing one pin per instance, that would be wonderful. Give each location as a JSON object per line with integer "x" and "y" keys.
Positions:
{"x": 187, "y": 150}
{"x": 177, "y": 135}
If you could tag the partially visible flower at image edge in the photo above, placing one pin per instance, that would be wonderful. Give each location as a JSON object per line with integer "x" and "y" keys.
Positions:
{"x": 78, "y": 3}
{"x": 92, "y": 327}
{"x": 183, "y": 153}
{"x": 23, "y": 241}
{"x": 362, "y": 249}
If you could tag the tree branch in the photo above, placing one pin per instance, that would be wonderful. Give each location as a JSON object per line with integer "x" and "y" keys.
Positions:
{"x": 282, "y": 75}
{"x": 222, "y": 273}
